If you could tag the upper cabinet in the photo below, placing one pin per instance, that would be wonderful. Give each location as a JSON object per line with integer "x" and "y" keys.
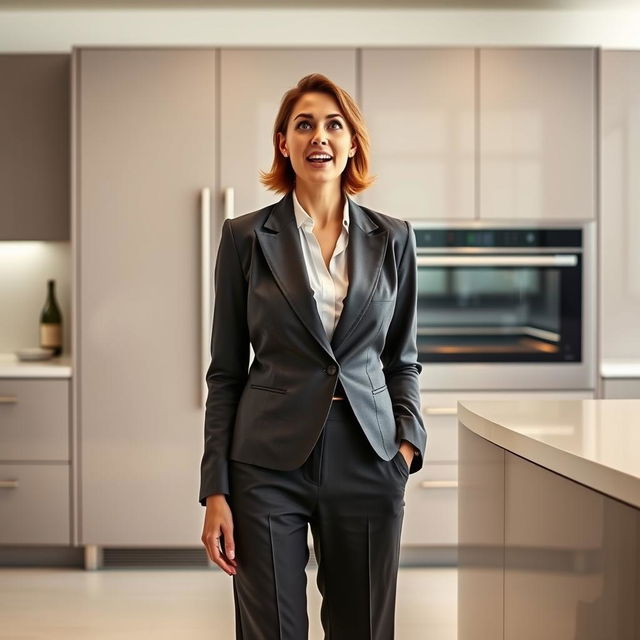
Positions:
{"x": 457, "y": 133}
{"x": 620, "y": 205}
{"x": 419, "y": 107}
{"x": 252, "y": 83}
{"x": 537, "y": 133}
{"x": 34, "y": 152}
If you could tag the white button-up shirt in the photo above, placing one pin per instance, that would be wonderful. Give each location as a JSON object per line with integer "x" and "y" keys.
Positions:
{"x": 329, "y": 285}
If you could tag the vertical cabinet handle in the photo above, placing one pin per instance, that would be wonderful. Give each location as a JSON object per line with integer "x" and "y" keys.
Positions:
{"x": 229, "y": 202}
{"x": 205, "y": 290}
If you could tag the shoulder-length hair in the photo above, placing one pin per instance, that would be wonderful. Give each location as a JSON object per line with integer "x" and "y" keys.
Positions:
{"x": 355, "y": 177}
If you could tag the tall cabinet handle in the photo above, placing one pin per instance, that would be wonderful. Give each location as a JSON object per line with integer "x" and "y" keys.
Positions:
{"x": 205, "y": 292}
{"x": 229, "y": 202}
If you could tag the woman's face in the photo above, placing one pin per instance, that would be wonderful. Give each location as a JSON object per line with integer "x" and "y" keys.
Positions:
{"x": 317, "y": 126}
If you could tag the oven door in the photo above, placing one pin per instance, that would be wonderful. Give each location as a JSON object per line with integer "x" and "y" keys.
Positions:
{"x": 498, "y": 307}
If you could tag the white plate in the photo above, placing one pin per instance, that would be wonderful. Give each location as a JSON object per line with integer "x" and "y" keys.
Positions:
{"x": 34, "y": 353}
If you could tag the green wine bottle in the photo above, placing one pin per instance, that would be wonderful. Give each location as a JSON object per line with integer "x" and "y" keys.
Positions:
{"x": 51, "y": 322}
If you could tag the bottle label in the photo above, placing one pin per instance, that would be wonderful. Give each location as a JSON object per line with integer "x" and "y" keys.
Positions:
{"x": 50, "y": 336}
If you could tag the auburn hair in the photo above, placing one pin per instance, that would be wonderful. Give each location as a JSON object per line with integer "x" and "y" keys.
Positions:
{"x": 355, "y": 177}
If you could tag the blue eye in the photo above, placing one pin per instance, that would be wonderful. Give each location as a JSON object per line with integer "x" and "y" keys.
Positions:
{"x": 299, "y": 125}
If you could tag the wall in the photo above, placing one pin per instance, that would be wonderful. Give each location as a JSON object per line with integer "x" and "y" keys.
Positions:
{"x": 37, "y": 30}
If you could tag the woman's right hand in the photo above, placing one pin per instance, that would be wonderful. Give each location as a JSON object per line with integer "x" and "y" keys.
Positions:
{"x": 218, "y": 524}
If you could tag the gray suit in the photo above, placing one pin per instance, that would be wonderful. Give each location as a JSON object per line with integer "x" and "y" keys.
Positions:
{"x": 273, "y": 414}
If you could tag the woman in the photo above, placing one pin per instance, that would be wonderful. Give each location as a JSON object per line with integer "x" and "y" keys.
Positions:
{"x": 325, "y": 426}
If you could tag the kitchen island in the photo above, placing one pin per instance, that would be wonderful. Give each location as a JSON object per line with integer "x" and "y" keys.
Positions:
{"x": 549, "y": 520}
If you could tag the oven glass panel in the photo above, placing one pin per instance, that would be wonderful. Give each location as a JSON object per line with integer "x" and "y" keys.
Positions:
{"x": 499, "y": 314}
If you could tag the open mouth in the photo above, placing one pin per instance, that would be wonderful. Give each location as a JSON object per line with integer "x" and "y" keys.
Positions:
{"x": 319, "y": 159}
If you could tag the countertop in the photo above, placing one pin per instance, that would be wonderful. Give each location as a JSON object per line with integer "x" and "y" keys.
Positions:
{"x": 57, "y": 367}
{"x": 594, "y": 442}
{"x": 620, "y": 368}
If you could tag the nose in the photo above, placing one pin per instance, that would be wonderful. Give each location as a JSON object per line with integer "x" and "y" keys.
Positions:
{"x": 319, "y": 137}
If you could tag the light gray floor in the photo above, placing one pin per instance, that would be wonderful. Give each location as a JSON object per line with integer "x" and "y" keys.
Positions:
{"x": 123, "y": 604}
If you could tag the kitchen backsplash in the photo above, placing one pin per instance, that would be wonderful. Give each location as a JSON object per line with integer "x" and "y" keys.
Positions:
{"x": 25, "y": 268}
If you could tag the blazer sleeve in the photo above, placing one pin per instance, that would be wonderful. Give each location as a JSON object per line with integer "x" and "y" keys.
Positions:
{"x": 228, "y": 371}
{"x": 400, "y": 355}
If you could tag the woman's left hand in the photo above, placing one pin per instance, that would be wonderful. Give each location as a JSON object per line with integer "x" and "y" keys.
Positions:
{"x": 406, "y": 449}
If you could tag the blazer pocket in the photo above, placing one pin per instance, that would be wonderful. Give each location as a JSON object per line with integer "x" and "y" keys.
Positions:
{"x": 379, "y": 389}
{"x": 263, "y": 388}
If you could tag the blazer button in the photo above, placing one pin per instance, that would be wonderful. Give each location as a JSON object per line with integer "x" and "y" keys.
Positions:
{"x": 332, "y": 369}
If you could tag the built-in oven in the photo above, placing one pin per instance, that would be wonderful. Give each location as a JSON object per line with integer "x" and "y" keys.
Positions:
{"x": 505, "y": 307}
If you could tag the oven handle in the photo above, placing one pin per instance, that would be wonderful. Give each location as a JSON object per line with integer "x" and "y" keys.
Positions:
{"x": 560, "y": 260}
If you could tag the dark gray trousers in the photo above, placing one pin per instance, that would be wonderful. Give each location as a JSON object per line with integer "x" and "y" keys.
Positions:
{"x": 354, "y": 503}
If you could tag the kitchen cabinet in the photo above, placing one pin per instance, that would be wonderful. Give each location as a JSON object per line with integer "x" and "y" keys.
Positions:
{"x": 252, "y": 83}
{"x": 419, "y": 107}
{"x": 537, "y": 133}
{"x": 541, "y": 555}
{"x": 463, "y": 133}
{"x": 145, "y": 131}
{"x": 431, "y": 495}
{"x": 153, "y": 128}
{"x": 34, "y": 154}
{"x": 35, "y": 469}
{"x": 621, "y": 388}
{"x": 620, "y": 205}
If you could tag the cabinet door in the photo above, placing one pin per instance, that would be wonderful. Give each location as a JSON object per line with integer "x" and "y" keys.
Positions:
{"x": 419, "y": 106}
{"x": 34, "y": 147}
{"x": 252, "y": 83}
{"x": 537, "y": 124}
{"x": 145, "y": 138}
{"x": 620, "y": 212}
{"x": 431, "y": 511}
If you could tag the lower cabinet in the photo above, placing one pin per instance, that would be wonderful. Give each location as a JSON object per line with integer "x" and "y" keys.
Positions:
{"x": 541, "y": 556}
{"x": 35, "y": 499}
{"x": 431, "y": 496}
{"x": 621, "y": 388}
{"x": 34, "y": 504}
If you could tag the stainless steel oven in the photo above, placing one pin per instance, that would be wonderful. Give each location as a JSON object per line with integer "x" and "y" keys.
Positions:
{"x": 505, "y": 307}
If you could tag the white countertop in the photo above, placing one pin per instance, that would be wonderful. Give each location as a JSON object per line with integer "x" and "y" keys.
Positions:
{"x": 620, "y": 368}
{"x": 57, "y": 367}
{"x": 594, "y": 442}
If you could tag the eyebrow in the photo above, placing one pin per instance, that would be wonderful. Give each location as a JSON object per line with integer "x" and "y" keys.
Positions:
{"x": 308, "y": 115}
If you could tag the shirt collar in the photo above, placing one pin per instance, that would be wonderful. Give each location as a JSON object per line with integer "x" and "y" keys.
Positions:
{"x": 303, "y": 218}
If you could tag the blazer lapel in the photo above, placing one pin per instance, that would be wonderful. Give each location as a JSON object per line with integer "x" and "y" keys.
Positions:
{"x": 365, "y": 255}
{"x": 280, "y": 243}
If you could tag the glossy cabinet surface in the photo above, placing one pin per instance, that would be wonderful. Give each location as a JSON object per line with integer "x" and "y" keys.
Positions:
{"x": 252, "y": 84}
{"x": 34, "y": 146}
{"x": 34, "y": 420}
{"x": 621, "y": 388}
{"x": 35, "y": 462}
{"x": 541, "y": 556}
{"x": 145, "y": 131}
{"x": 620, "y": 204}
{"x": 537, "y": 133}
{"x": 419, "y": 107}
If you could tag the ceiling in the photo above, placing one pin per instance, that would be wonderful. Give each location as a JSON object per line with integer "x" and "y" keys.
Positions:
{"x": 322, "y": 4}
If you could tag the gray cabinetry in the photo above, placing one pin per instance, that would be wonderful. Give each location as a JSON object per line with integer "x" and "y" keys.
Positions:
{"x": 622, "y": 388}
{"x": 34, "y": 147}
{"x": 537, "y": 133}
{"x": 541, "y": 556}
{"x": 431, "y": 497}
{"x": 34, "y": 462}
{"x": 620, "y": 205}
{"x": 252, "y": 83}
{"x": 145, "y": 130}
{"x": 419, "y": 106}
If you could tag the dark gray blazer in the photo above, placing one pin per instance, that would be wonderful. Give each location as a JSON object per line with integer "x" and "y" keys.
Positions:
{"x": 272, "y": 414}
